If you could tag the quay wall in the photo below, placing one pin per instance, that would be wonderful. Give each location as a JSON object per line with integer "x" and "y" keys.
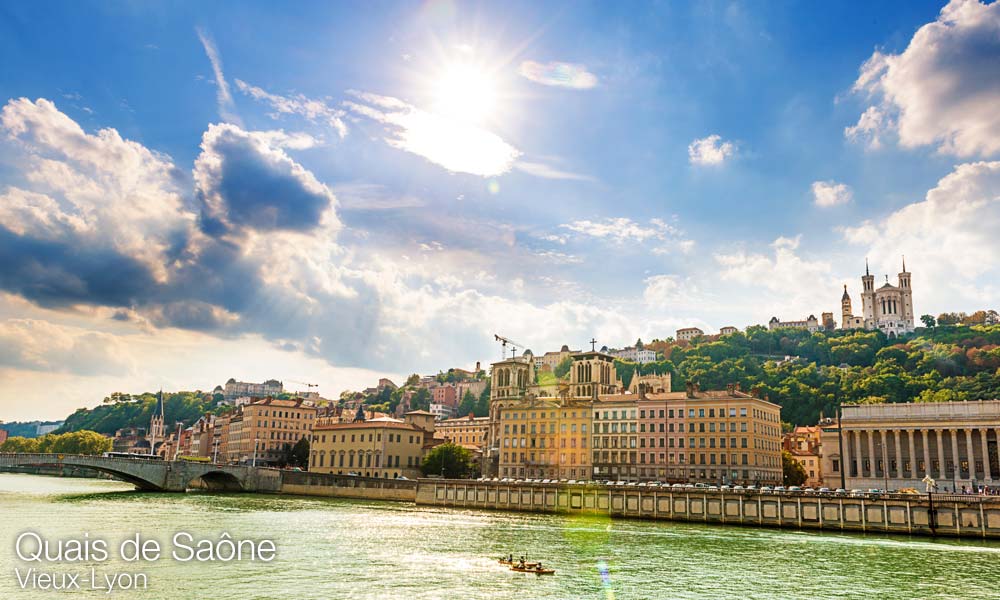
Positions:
{"x": 943, "y": 515}
{"x": 343, "y": 486}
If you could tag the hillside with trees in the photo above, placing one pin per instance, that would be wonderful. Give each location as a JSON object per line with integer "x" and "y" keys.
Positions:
{"x": 810, "y": 374}
{"x": 125, "y": 410}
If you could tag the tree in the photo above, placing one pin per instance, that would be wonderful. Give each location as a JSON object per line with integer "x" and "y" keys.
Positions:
{"x": 412, "y": 380}
{"x": 928, "y": 320}
{"x": 297, "y": 455}
{"x": 451, "y": 460}
{"x": 76, "y": 442}
{"x": 562, "y": 369}
{"x": 421, "y": 400}
{"x": 20, "y": 444}
{"x": 468, "y": 404}
{"x": 792, "y": 471}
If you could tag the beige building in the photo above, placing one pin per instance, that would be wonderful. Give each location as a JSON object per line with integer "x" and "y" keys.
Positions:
{"x": 892, "y": 446}
{"x": 267, "y": 426}
{"x": 888, "y": 308}
{"x": 545, "y": 439}
{"x": 689, "y": 333}
{"x": 384, "y": 447}
{"x": 804, "y": 444}
{"x": 469, "y": 432}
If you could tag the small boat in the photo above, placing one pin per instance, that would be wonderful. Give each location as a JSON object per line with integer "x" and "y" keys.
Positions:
{"x": 534, "y": 568}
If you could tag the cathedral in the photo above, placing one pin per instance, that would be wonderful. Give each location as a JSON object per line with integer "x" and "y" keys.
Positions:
{"x": 888, "y": 308}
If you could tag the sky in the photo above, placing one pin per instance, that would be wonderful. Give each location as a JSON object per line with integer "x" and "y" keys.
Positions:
{"x": 195, "y": 191}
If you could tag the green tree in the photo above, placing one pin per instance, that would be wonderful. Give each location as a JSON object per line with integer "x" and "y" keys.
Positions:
{"x": 297, "y": 455}
{"x": 412, "y": 380}
{"x": 451, "y": 460}
{"x": 421, "y": 400}
{"x": 468, "y": 404}
{"x": 562, "y": 369}
{"x": 928, "y": 320}
{"x": 792, "y": 471}
{"x": 20, "y": 444}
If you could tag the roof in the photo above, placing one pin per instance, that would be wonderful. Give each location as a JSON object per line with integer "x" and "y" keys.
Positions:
{"x": 367, "y": 425}
{"x": 420, "y": 412}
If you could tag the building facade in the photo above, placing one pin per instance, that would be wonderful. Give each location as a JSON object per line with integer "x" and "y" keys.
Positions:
{"x": 269, "y": 425}
{"x": 633, "y": 354}
{"x": 804, "y": 444}
{"x": 810, "y": 324}
{"x": 469, "y": 432}
{"x": 384, "y": 447}
{"x": 888, "y": 308}
{"x": 238, "y": 389}
{"x": 893, "y": 446}
{"x": 689, "y": 333}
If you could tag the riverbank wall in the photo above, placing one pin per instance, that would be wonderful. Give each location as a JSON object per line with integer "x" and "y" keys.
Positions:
{"x": 940, "y": 515}
{"x": 303, "y": 483}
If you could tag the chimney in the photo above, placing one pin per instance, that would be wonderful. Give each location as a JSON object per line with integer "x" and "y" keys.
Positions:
{"x": 477, "y": 367}
{"x": 690, "y": 388}
{"x": 730, "y": 388}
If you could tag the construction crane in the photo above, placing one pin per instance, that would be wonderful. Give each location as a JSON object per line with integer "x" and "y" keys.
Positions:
{"x": 309, "y": 385}
{"x": 504, "y": 342}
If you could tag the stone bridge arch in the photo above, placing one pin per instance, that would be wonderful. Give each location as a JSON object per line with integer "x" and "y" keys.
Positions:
{"x": 216, "y": 481}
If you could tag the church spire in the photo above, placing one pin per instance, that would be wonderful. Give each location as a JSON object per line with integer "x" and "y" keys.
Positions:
{"x": 904, "y": 263}
{"x": 866, "y": 267}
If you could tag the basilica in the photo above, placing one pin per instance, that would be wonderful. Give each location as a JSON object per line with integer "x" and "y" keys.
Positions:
{"x": 888, "y": 308}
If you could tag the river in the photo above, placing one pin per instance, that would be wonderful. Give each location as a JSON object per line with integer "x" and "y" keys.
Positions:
{"x": 331, "y": 549}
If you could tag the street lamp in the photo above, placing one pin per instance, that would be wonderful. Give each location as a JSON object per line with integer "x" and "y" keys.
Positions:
{"x": 255, "y": 442}
{"x": 215, "y": 451}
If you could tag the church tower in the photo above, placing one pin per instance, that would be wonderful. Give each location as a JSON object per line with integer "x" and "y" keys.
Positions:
{"x": 868, "y": 298}
{"x": 845, "y": 310}
{"x": 156, "y": 429}
{"x": 907, "y": 297}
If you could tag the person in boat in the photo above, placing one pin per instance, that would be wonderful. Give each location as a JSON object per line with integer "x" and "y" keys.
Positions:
{"x": 510, "y": 558}
{"x": 538, "y": 566}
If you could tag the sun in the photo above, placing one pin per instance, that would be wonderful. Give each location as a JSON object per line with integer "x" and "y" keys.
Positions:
{"x": 465, "y": 92}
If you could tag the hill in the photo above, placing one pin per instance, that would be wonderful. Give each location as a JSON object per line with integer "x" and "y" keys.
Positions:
{"x": 829, "y": 368}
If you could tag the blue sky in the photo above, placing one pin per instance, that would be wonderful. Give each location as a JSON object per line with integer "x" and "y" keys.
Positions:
{"x": 194, "y": 191}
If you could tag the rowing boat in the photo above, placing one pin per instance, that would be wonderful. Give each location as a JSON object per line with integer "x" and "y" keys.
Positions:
{"x": 533, "y": 569}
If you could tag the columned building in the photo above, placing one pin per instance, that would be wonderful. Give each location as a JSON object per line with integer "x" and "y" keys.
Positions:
{"x": 893, "y": 446}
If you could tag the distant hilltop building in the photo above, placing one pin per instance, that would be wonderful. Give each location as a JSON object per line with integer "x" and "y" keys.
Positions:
{"x": 633, "y": 354}
{"x": 728, "y": 330}
{"x": 689, "y": 333}
{"x": 811, "y": 324}
{"x": 888, "y": 308}
{"x": 239, "y": 389}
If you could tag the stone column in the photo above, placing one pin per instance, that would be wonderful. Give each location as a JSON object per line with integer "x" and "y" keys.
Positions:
{"x": 899, "y": 454}
{"x": 858, "y": 459}
{"x": 845, "y": 458}
{"x": 871, "y": 453}
{"x": 925, "y": 438}
{"x": 913, "y": 454}
{"x": 942, "y": 468}
{"x": 971, "y": 452}
{"x": 954, "y": 455}
{"x": 983, "y": 435}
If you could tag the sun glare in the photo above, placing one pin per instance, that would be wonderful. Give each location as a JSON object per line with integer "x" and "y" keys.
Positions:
{"x": 466, "y": 93}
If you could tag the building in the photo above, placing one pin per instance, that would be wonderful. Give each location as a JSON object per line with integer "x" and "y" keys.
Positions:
{"x": 3, "y": 436}
{"x": 635, "y": 355}
{"x": 804, "y": 445}
{"x": 689, "y": 333}
{"x": 130, "y": 439}
{"x": 386, "y": 448}
{"x": 811, "y": 324}
{"x": 442, "y": 411}
{"x": 469, "y": 432}
{"x": 268, "y": 426}
{"x": 549, "y": 360}
{"x": 592, "y": 429}
{"x": 237, "y": 389}
{"x": 446, "y": 394}
{"x": 728, "y": 330}
{"x": 893, "y": 446}
{"x": 888, "y": 308}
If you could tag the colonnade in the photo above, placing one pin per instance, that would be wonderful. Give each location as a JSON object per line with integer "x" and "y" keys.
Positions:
{"x": 944, "y": 453}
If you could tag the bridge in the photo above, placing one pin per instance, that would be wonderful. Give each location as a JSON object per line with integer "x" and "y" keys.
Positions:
{"x": 158, "y": 475}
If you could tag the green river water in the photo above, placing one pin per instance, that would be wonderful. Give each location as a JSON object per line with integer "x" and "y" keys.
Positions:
{"x": 331, "y": 549}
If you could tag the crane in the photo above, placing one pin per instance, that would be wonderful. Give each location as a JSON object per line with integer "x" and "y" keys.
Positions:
{"x": 309, "y": 385}
{"x": 504, "y": 342}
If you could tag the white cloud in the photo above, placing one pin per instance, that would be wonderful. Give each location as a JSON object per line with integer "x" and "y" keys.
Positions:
{"x": 941, "y": 91}
{"x": 831, "y": 193}
{"x": 223, "y": 97}
{"x": 711, "y": 150}
{"x": 311, "y": 109}
{"x": 39, "y": 345}
{"x": 783, "y": 281}
{"x": 661, "y": 289}
{"x": 558, "y": 74}
{"x": 549, "y": 172}
{"x": 453, "y": 144}
{"x": 949, "y": 239}
{"x": 621, "y": 230}
{"x": 94, "y": 190}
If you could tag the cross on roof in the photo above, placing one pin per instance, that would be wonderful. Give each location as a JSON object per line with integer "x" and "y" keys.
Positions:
{"x": 593, "y": 344}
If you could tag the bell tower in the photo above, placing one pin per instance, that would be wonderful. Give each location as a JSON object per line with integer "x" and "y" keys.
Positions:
{"x": 906, "y": 295}
{"x": 845, "y": 309}
{"x": 868, "y": 297}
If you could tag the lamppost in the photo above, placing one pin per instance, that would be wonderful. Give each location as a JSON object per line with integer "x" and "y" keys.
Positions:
{"x": 255, "y": 442}
{"x": 885, "y": 463}
{"x": 177, "y": 447}
{"x": 215, "y": 451}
